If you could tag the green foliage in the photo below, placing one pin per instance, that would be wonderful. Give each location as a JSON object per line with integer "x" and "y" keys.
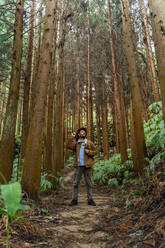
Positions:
{"x": 46, "y": 184}
{"x": 127, "y": 202}
{"x": 136, "y": 193}
{"x": 129, "y": 153}
{"x": 6, "y": 38}
{"x": 112, "y": 172}
{"x": 154, "y": 128}
{"x": 112, "y": 182}
{"x": 70, "y": 160}
{"x": 17, "y": 172}
{"x": 155, "y": 136}
{"x": 60, "y": 180}
{"x": 158, "y": 158}
{"x": 11, "y": 195}
{"x": 18, "y": 139}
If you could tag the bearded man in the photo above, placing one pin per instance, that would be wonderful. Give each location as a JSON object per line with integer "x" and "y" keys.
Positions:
{"x": 84, "y": 159}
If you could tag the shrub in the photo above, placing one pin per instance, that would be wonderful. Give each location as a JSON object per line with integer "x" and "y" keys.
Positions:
{"x": 112, "y": 172}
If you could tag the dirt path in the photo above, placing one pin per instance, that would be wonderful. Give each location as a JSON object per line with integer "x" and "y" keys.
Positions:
{"x": 52, "y": 223}
{"x": 79, "y": 226}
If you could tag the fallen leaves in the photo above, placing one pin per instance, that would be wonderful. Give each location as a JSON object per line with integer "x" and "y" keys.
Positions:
{"x": 122, "y": 228}
{"x": 160, "y": 228}
{"x": 150, "y": 242}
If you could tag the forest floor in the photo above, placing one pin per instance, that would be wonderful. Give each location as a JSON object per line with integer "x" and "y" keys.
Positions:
{"x": 118, "y": 221}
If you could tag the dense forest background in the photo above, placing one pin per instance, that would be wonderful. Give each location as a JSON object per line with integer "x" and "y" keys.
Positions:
{"x": 98, "y": 64}
{"x": 67, "y": 64}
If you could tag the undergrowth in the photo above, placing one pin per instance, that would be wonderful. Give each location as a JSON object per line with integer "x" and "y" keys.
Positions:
{"x": 155, "y": 136}
{"x": 113, "y": 173}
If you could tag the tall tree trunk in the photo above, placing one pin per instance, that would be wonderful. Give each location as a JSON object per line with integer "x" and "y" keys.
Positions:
{"x": 19, "y": 116}
{"x": 27, "y": 81}
{"x": 69, "y": 121}
{"x": 62, "y": 123}
{"x": 59, "y": 140}
{"x": 48, "y": 165}
{"x": 149, "y": 54}
{"x": 144, "y": 97}
{"x": 33, "y": 152}
{"x": 98, "y": 129}
{"x": 104, "y": 120}
{"x": 98, "y": 118}
{"x": 7, "y": 141}
{"x": 90, "y": 107}
{"x": 116, "y": 125}
{"x": 158, "y": 26}
{"x": 124, "y": 114}
{"x": 36, "y": 59}
{"x": 2, "y": 105}
{"x": 133, "y": 142}
{"x": 66, "y": 130}
{"x": 48, "y": 161}
{"x": 121, "y": 127}
{"x": 77, "y": 112}
{"x": 73, "y": 118}
{"x": 140, "y": 147}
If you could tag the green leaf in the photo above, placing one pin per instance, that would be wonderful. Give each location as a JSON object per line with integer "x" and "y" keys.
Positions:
{"x": 11, "y": 194}
{"x": 3, "y": 211}
{"x": 24, "y": 207}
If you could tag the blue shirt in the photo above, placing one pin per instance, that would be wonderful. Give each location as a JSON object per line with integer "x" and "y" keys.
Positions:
{"x": 81, "y": 161}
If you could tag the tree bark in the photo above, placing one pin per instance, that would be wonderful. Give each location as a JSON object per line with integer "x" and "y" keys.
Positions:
{"x": 90, "y": 106}
{"x": 2, "y": 106}
{"x": 121, "y": 127}
{"x": 58, "y": 135}
{"x": 33, "y": 152}
{"x": 158, "y": 26}
{"x": 36, "y": 59}
{"x": 27, "y": 81}
{"x": 77, "y": 111}
{"x": 98, "y": 126}
{"x": 149, "y": 54}
{"x": 138, "y": 130}
{"x": 7, "y": 141}
{"x": 19, "y": 117}
{"x": 104, "y": 120}
{"x": 48, "y": 165}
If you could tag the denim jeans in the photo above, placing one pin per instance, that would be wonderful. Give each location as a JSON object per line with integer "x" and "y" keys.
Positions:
{"x": 77, "y": 178}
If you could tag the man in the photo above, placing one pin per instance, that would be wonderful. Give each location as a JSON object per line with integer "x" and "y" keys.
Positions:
{"x": 84, "y": 159}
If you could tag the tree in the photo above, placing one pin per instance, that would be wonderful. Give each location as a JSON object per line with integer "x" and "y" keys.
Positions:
{"x": 121, "y": 124}
{"x": 8, "y": 135}
{"x": 33, "y": 152}
{"x": 158, "y": 27}
{"x": 90, "y": 108}
{"x": 48, "y": 155}
{"x": 27, "y": 80}
{"x": 36, "y": 59}
{"x": 104, "y": 119}
{"x": 149, "y": 53}
{"x": 59, "y": 109}
{"x": 138, "y": 130}
{"x": 77, "y": 112}
{"x": 2, "y": 105}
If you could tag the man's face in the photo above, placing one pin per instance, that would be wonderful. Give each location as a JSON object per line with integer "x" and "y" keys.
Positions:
{"x": 82, "y": 134}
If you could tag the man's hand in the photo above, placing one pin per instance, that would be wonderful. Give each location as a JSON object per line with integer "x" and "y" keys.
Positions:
{"x": 86, "y": 151}
{"x": 74, "y": 134}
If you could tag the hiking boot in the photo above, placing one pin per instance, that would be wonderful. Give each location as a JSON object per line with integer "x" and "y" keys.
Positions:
{"x": 91, "y": 202}
{"x": 73, "y": 202}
